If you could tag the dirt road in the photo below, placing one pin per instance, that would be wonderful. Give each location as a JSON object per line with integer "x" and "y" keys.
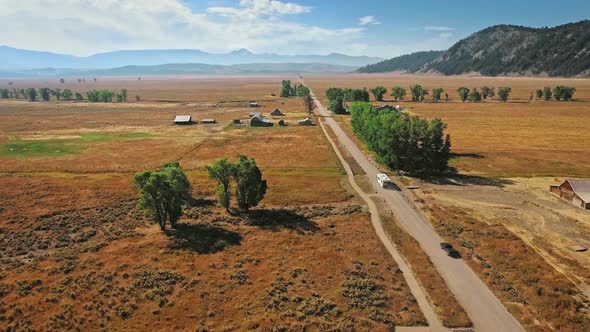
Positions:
{"x": 485, "y": 310}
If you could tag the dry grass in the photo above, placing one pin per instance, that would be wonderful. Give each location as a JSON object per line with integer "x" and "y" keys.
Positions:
{"x": 517, "y": 138}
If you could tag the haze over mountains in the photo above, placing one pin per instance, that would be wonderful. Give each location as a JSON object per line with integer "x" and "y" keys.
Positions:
{"x": 18, "y": 59}
{"x": 505, "y": 50}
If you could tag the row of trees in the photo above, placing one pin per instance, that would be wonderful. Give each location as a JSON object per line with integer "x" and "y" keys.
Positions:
{"x": 106, "y": 96}
{"x": 401, "y": 141}
{"x": 465, "y": 94}
{"x": 46, "y": 94}
{"x": 559, "y": 92}
{"x": 288, "y": 90}
{"x": 337, "y": 97}
{"x": 164, "y": 192}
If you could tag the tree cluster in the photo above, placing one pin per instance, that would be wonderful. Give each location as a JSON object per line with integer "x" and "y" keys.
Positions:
{"x": 250, "y": 187}
{"x": 560, "y": 92}
{"x": 45, "y": 94}
{"x": 337, "y": 97}
{"x": 288, "y": 90}
{"x": 401, "y": 141}
{"x": 465, "y": 94}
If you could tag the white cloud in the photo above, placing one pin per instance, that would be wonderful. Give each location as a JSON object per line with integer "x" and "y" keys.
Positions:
{"x": 90, "y": 26}
{"x": 431, "y": 28}
{"x": 368, "y": 20}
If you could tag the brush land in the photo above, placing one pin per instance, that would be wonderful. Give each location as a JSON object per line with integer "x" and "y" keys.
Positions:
{"x": 77, "y": 253}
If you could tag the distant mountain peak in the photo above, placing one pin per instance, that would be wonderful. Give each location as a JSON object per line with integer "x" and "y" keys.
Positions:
{"x": 242, "y": 51}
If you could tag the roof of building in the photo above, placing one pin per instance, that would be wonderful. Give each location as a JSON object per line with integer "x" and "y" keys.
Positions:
{"x": 581, "y": 188}
{"x": 208, "y": 120}
{"x": 251, "y": 114}
{"x": 182, "y": 118}
{"x": 260, "y": 118}
{"x": 277, "y": 111}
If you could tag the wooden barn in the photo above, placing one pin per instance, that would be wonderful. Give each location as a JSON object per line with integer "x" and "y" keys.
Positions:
{"x": 260, "y": 121}
{"x": 305, "y": 122}
{"x": 277, "y": 112}
{"x": 575, "y": 191}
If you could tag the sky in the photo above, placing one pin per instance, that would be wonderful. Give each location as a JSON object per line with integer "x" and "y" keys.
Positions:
{"x": 384, "y": 28}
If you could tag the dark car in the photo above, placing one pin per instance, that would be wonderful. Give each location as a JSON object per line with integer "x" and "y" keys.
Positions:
{"x": 448, "y": 248}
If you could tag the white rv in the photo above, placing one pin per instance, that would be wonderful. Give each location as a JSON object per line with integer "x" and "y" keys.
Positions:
{"x": 383, "y": 180}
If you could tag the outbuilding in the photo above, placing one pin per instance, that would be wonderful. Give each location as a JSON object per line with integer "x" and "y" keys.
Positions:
{"x": 260, "y": 121}
{"x": 254, "y": 103}
{"x": 183, "y": 120}
{"x": 208, "y": 121}
{"x": 277, "y": 112}
{"x": 305, "y": 122}
{"x": 251, "y": 114}
{"x": 575, "y": 191}
{"x": 282, "y": 123}
{"x": 385, "y": 107}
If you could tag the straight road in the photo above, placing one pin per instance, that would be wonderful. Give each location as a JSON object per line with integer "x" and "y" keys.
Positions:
{"x": 485, "y": 310}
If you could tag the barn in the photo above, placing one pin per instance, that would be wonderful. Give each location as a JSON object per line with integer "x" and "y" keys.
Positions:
{"x": 305, "y": 122}
{"x": 260, "y": 121}
{"x": 183, "y": 120}
{"x": 208, "y": 121}
{"x": 277, "y": 112}
{"x": 575, "y": 191}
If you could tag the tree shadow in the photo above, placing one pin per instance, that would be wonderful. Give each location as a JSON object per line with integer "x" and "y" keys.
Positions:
{"x": 278, "y": 219}
{"x": 457, "y": 179}
{"x": 202, "y": 238}
{"x": 467, "y": 155}
{"x": 200, "y": 202}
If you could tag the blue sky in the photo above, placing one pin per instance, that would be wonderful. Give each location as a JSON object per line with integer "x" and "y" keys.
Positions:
{"x": 370, "y": 27}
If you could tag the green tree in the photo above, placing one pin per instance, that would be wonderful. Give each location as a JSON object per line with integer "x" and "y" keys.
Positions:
{"x": 418, "y": 92}
{"x": 286, "y": 89}
{"x": 437, "y": 93}
{"x": 504, "y": 93}
{"x": 337, "y": 105}
{"x": 539, "y": 93}
{"x": 66, "y": 94}
{"x": 137, "y": 98}
{"x": 378, "y": 92}
{"x": 124, "y": 94}
{"x": 474, "y": 96}
{"x": 45, "y": 93}
{"x": 302, "y": 91}
{"x": 547, "y": 94}
{"x": 79, "y": 97}
{"x": 565, "y": 93}
{"x": 333, "y": 93}
{"x": 30, "y": 94}
{"x": 487, "y": 92}
{"x": 163, "y": 192}
{"x": 4, "y": 93}
{"x": 250, "y": 187}
{"x": 57, "y": 93}
{"x": 398, "y": 93}
{"x": 16, "y": 93}
{"x": 309, "y": 103}
{"x": 222, "y": 171}
{"x": 463, "y": 93}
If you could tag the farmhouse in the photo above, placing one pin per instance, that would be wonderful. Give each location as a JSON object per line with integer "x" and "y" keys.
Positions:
{"x": 183, "y": 119}
{"x": 277, "y": 112}
{"x": 260, "y": 121}
{"x": 208, "y": 121}
{"x": 305, "y": 122}
{"x": 575, "y": 191}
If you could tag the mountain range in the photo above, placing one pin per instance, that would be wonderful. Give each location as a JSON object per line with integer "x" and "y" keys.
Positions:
{"x": 504, "y": 50}
{"x": 18, "y": 59}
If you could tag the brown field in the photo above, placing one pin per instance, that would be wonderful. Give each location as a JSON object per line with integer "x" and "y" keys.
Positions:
{"x": 498, "y": 209}
{"x": 76, "y": 253}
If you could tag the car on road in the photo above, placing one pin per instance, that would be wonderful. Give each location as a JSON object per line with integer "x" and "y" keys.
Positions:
{"x": 448, "y": 248}
{"x": 383, "y": 180}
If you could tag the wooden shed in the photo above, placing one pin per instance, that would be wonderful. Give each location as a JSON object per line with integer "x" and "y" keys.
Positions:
{"x": 575, "y": 191}
{"x": 305, "y": 122}
{"x": 183, "y": 120}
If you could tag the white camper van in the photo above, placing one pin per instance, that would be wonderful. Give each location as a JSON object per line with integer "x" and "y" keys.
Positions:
{"x": 383, "y": 180}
